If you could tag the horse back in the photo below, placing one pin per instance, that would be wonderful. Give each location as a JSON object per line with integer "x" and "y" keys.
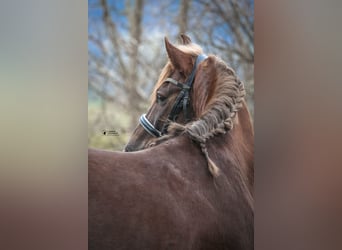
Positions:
{"x": 142, "y": 201}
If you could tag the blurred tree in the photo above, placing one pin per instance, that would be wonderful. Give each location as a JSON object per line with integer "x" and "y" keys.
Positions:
{"x": 229, "y": 27}
{"x": 183, "y": 16}
{"x": 119, "y": 52}
{"x": 121, "y": 74}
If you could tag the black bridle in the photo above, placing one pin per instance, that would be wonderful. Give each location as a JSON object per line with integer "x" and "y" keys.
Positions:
{"x": 181, "y": 103}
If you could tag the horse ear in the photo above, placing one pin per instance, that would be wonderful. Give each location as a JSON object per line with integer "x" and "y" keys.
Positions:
{"x": 185, "y": 39}
{"x": 179, "y": 59}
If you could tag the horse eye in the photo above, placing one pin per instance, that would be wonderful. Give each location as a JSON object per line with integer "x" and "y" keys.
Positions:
{"x": 160, "y": 98}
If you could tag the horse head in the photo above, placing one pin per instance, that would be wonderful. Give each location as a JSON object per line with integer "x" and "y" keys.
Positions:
{"x": 173, "y": 97}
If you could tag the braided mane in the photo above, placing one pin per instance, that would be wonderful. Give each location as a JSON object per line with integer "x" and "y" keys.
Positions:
{"x": 219, "y": 112}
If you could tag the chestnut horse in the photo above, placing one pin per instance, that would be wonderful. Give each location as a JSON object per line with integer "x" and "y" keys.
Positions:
{"x": 164, "y": 197}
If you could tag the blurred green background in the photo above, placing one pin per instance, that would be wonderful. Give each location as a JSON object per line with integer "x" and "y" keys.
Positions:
{"x": 126, "y": 54}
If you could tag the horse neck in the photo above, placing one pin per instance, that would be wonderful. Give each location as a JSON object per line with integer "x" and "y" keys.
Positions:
{"x": 237, "y": 147}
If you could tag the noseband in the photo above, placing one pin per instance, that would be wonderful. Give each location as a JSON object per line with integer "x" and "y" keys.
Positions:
{"x": 182, "y": 101}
